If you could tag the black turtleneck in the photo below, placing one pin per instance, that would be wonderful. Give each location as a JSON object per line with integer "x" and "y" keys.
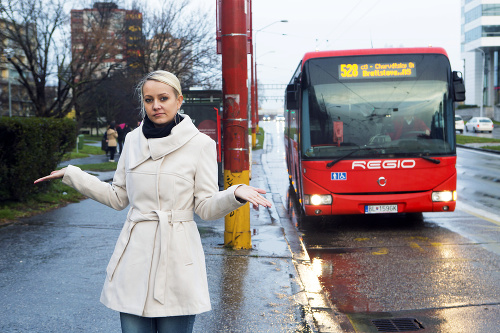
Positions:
{"x": 150, "y": 131}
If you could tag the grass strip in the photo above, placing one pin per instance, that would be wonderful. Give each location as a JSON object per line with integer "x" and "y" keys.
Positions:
{"x": 98, "y": 167}
{"x": 84, "y": 152}
{"x": 464, "y": 139}
{"x": 58, "y": 195}
{"x": 259, "y": 136}
{"x": 491, "y": 147}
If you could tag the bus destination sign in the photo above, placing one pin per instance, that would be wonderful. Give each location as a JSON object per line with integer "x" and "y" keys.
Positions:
{"x": 378, "y": 70}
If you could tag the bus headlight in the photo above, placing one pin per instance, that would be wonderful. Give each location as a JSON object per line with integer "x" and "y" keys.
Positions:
{"x": 444, "y": 196}
{"x": 317, "y": 199}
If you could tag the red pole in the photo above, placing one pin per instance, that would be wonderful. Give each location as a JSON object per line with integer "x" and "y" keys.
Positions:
{"x": 235, "y": 119}
{"x": 253, "y": 107}
{"x": 256, "y": 98}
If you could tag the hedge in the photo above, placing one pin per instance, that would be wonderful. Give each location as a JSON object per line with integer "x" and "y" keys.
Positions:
{"x": 29, "y": 149}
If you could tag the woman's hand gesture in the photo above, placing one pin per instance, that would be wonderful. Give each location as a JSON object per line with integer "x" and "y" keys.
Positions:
{"x": 53, "y": 175}
{"x": 252, "y": 195}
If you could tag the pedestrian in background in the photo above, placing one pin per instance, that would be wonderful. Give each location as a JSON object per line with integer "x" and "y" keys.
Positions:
{"x": 104, "y": 142}
{"x": 156, "y": 277}
{"x": 126, "y": 130}
{"x": 112, "y": 140}
{"x": 121, "y": 138}
{"x": 122, "y": 133}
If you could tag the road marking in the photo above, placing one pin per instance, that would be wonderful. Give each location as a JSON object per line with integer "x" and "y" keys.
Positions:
{"x": 382, "y": 251}
{"x": 414, "y": 245}
{"x": 478, "y": 212}
{"x": 420, "y": 238}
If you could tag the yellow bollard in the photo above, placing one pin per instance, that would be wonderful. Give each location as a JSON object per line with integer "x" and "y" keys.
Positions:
{"x": 237, "y": 233}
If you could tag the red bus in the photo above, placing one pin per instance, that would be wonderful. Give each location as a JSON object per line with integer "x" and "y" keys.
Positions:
{"x": 373, "y": 131}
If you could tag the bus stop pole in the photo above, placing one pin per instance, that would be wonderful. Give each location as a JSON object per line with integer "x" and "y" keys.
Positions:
{"x": 235, "y": 120}
{"x": 253, "y": 107}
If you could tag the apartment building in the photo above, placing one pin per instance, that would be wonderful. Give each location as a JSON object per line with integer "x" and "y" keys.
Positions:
{"x": 14, "y": 100}
{"x": 118, "y": 32}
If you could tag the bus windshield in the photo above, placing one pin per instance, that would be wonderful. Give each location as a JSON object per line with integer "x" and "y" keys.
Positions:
{"x": 378, "y": 105}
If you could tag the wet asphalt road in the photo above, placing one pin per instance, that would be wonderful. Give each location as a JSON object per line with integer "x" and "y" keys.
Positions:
{"x": 438, "y": 270}
{"x": 39, "y": 249}
{"x": 442, "y": 270}
{"x": 52, "y": 269}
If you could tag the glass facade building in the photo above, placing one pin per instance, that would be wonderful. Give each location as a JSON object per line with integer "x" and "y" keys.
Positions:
{"x": 480, "y": 45}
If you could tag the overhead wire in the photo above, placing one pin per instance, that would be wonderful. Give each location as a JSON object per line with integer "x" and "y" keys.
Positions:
{"x": 344, "y": 18}
{"x": 361, "y": 17}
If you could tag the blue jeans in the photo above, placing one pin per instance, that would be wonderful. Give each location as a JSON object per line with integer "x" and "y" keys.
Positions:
{"x": 137, "y": 324}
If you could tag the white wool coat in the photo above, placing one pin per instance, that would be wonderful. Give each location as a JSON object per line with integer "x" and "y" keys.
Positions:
{"x": 158, "y": 266}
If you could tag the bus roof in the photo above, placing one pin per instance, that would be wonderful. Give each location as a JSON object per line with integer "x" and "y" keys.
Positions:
{"x": 342, "y": 53}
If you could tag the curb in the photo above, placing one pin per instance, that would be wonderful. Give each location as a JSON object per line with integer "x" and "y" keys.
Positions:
{"x": 480, "y": 149}
{"x": 317, "y": 313}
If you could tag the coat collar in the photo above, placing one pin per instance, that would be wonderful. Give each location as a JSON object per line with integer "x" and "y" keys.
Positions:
{"x": 140, "y": 148}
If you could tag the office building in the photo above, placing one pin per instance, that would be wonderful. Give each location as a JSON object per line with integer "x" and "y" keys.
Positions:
{"x": 480, "y": 46}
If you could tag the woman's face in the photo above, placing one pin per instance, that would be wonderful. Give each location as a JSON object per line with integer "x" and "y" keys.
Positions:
{"x": 160, "y": 102}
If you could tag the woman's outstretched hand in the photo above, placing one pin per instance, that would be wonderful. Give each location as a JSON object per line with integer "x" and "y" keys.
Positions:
{"x": 252, "y": 195}
{"x": 53, "y": 175}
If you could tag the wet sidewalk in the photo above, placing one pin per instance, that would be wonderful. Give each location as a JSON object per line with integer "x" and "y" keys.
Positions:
{"x": 53, "y": 266}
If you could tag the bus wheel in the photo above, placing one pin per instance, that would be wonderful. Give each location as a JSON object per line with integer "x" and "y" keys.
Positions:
{"x": 304, "y": 222}
{"x": 301, "y": 218}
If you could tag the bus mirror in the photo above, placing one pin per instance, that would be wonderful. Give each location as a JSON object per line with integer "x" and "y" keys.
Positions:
{"x": 458, "y": 87}
{"x": 291, "y": 97}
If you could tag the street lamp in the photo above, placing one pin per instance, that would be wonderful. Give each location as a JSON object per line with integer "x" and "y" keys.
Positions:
{"x": 254, "y": 84}
{"x": 482, "y": 82}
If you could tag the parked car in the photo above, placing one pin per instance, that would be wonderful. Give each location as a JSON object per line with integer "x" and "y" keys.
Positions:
{"x": 279, "y": 118}
{"x": 459, "y": 124}
{"x": 479, "y": 124}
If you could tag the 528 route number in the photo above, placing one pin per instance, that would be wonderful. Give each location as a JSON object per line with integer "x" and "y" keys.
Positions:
{"x": 348, "y": 70}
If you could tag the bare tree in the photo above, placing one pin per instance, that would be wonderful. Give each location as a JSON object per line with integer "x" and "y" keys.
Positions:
{"x": 113, "y": 99}
{"x": 53, "y": 69}
{"x": 30, "y": 27}
{"x": 181, "y": 40}
{"x": 98, "y": 37}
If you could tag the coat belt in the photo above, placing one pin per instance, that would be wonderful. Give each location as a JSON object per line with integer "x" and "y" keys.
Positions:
{"x": 164, "y": 218}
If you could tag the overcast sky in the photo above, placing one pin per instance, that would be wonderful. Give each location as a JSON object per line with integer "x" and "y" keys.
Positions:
{"x": 346, "y": 24}
{"x": 353, "y": 24}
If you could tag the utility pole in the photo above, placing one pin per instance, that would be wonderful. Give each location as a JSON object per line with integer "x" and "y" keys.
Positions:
{"x": 235, "y": 120}
{"x": 253, "y": 105}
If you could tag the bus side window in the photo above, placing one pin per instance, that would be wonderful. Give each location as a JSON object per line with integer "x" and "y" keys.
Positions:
{"x": 291, "y": 97}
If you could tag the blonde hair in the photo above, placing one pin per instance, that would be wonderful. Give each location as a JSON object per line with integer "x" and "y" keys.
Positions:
{"x": 160, "y": 76}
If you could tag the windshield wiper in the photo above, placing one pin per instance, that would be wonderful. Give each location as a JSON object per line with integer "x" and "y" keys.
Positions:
{"x": 332, "y": 163}
{"x": 430, "y": 159}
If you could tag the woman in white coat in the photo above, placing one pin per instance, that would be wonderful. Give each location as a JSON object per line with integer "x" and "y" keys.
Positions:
{"x": 156, "y": 277}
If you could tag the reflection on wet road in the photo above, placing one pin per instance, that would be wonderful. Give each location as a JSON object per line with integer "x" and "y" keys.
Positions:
{"x": 440, "y": 269}
{"x": 392, "y": 266}
{"x": 478, "y": 182}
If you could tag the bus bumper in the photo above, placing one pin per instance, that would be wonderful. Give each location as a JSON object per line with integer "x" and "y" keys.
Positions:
{"x": 356, "y": 204}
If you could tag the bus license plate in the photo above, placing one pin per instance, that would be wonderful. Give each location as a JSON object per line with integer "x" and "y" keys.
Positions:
{"x": 377, "y": 209}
